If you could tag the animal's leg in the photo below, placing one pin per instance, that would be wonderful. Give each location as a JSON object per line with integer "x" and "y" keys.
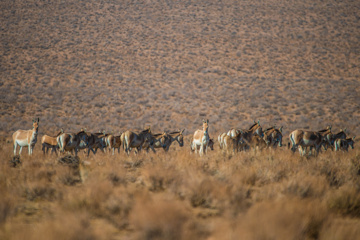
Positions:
{"x": 43, "y": 148}
{"x": 20, "y": 150}
{"x": 15, "y": 146}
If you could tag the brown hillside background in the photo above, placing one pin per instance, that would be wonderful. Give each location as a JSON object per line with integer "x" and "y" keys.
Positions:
{"x": 115, "y": 65}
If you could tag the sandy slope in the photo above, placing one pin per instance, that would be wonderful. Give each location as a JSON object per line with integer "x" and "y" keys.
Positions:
{"x": 116, "y": 65}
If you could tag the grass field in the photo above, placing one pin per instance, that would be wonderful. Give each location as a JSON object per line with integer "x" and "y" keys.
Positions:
{"x": 251, "y": 195}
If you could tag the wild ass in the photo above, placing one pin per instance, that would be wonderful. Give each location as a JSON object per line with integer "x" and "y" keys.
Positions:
{"x": 72, "y": 141}
{"x": 273, "y": 137}
{"x": 221, "y": 139}
{"x": 245, "y": 137}
{"x": 334, "y": 137}
{"x": 113, "y": 142}
{"x": 210, "y": 145}
{"x": 26, "y": 138}
{"x": 344, "y": 144}
{"x": 175, "y": 136}
{"x": 201, "y": 138}
{"x": 132, "y": 140}
{"x": 50, "y": 142}
{"x": 159, "y": 140}
{"x": 303, "y": 139}
{"x": 96, "y": 141}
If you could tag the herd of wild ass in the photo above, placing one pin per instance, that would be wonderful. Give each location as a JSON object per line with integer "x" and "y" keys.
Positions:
{"x": 232, "y": 141}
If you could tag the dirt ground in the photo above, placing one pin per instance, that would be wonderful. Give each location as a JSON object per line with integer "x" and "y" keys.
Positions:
{"x": 117, "y": 65}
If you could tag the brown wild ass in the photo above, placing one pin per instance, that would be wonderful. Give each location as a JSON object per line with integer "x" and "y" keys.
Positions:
{"x": 201, "y": 138}
{"x": 228, "y": 143}
{"x": 273, "y": 137}
{"x": 339, "y": 135}
{"x": 159, "y": 140}
{"x": 175, "y": 136}
{"x": 113, "y": 142}
{"x": 210, "y": 145}
{"x": 221, "y": 139}
{"x": 303, "y": 139}
{"x": 50, "y": 142}
{"x": 96, "y": 141}
{"x": 344, "y": 144}
{"x": 72, "y": 141}
{"x": 26, "y": 138}
{"x": 245, "y": 137}
{"x": 133, "y": 140}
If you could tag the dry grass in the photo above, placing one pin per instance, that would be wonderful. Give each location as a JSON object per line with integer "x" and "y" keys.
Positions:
{"x": 178, "y": 195}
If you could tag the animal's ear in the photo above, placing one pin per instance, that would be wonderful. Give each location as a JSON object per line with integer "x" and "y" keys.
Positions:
{"x": 182, "y": 131}
{"x": 38, "y": 119}
{"x": 259, "y": 122}
{"x": 62, "y": 130}
{"x": 354, "y": 137}
{"x": 344, "y": 130}
{"x": 280, "y": 129}
{"x": 203, "y": 120}
{"x": 207, "y": 120}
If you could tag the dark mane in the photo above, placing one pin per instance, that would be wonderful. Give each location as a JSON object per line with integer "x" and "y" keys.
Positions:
{"x": 58, "y": 134}
{"x": 146, "y": 130}
{"x": 253, "y": 126}
{"x": 172, "y": 133}
{"x": 324, "y": 130}
{"x": 157, "y": 135}
{"x": 270, "y": 128}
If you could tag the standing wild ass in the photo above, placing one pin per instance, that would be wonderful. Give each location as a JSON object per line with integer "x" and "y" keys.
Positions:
{"x": 201, "y": 138}
{"x": 273, "y": 137}
{"x": 304, "y": 139}
{"x": 113, "y": 142}
{"x": 72, "y": 141}
{"x": 175, "y": 136}
{"x": 245, "y": 137}
{"x": 26, "y": 138}
{"x": 132, "y": 140}
{"x": 210, "y": 145}
{"x": 50, "y": 142}
{"x": 159, "y": 140}
{"x": 344, "y": 144}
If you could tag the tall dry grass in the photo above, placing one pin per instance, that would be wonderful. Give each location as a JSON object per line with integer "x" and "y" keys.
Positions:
{"x": 272, "y": 194}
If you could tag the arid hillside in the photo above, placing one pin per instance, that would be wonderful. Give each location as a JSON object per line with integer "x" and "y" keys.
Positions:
{"x": 116, "y": 65}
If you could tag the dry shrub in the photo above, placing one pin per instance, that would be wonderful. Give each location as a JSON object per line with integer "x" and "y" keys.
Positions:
{"x": 305, "y": 186}
{"x": 101, "y": 199}
{"x": 283, "y": 219}
{"x": 160, "y": 177}
{"x": 341, "y": 229}
{"x": 6, "y": 208}
{"x": 208, "y": 193}
{"x": 158, "y": 218}
{"x": 66, "y": 225}
{"x": 345, "y": 200}
{"x": 41, "y": 191}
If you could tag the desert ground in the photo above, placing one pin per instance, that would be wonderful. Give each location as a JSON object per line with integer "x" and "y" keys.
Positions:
{"x": 118, "y": 65}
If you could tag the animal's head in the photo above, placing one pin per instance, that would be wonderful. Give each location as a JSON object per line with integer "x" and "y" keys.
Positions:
{"x": 180, "y": 138}
{"x": 36, "y": 124}
{"x": 206, "y": 125}
{"x": 258, "y": 129}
